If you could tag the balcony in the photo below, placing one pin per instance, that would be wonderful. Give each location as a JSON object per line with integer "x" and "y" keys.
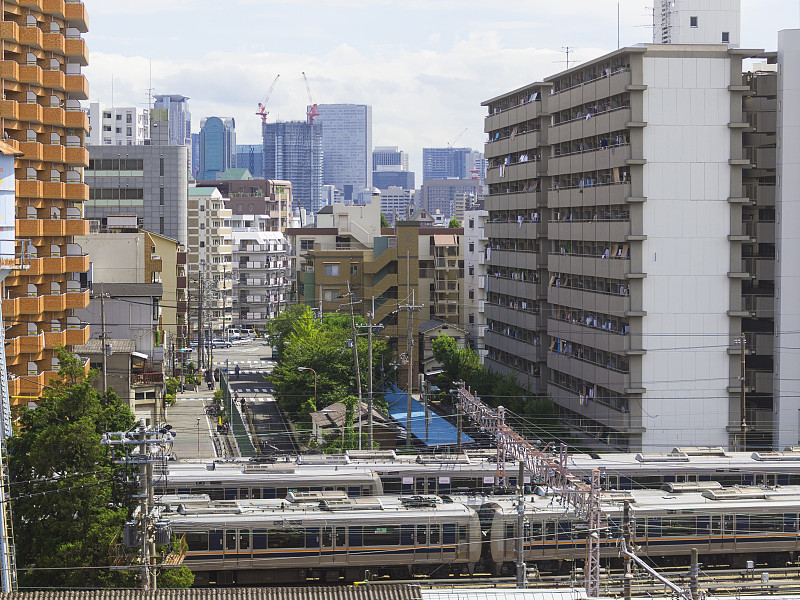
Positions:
{"x": 76, "y": 48}
{"x": 9, "y": 31}
{"x": 9, "y": 70}
{"x": 75, "y": 15}
{"x": 9, "y": 109}
{"x": 77, "y": 335}
{"x": 30, "y": 36}
{"x": 77, "y": 119}
{"x": 54, "y": 339}
{"x": 78, "y": 300}
{"x": 33, "y": 150}
{"x": 31, "y": 3}
{"x": 25, "y": 305}
{"x": 53, "y": 42}
{"x": 54, "y": 265}
{"x": 31, "y": 112}
{"x": 77, "y": 86}
{"x": 55, "y": 303}
{"x": 31, "y": 73}
{"x": 31, "y": 385}
{"x": 53, "y": 7}
{"x": 29, "y": 189}
{"x": 76, "y": 227}
{"x": 29, "y": 228}
{"x": 54, "y": 227}
{"x": 53, "y": 152}
{"x": 54, "y": 79}
{"x": 78, "y": 192}
{"x": 147, "y": 378}
{"x": 77, "y": 156}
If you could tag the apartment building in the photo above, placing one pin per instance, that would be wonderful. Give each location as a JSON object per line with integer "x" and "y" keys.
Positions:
{"x": 616, "y": 195}
{"x": 473, "y": 293}
{"x": 43, "y": 119}
{"x": 209, "y": 254}
{"x": 260, "y": 276}
{"x": 118, "y": 126}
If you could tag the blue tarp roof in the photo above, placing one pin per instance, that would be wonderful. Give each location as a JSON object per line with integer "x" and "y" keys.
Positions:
{"x": 440, "y": 431}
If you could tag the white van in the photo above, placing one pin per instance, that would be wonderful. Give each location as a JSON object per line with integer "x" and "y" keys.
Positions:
{"x": 248, "y": 334}
{"x": 234, "y": 334}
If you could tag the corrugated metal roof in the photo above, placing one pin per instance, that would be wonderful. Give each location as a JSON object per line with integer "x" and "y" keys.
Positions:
{"x": 95, "y": 346}
{"x": 503, "y": 594}
{"x": 361, "y": 592}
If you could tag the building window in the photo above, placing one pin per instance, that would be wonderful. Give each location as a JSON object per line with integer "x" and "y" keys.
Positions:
{"x": 306, "y": 244}
{"x": 472, "y": 246}
{"x": 161, "y": 197}
{"x": 692, "y": 21}
{"x": 471, "y": 318}
{"x": 161, "y": 224}
{"x": 472, "y": 269}
{"x": 472, "y": 223}
{"x": 726, "y": 37}
{"x": 331, "y": 269}
{"x": 119, "y": 117}
{"x": 202, "y": 244}
{"x": 161, "y": 167}
{"x": 472, "y": 294}
{"x": 119, "y": 129}
{"x": 353, "y": 269}
{"x": 329, "y": 295}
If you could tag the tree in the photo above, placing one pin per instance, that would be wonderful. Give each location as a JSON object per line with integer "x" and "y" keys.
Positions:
{"x": 454, "y": 224}
{"x": 384, "y": 222}
{"x": 68, "y": 509}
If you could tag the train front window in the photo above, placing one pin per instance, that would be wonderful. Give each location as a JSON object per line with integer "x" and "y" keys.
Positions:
{"x": 462, "y": 533}
{"x": 197, "y": 541}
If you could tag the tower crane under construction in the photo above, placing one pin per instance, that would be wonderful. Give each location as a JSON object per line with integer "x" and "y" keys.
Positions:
{"x": 312, "y": 108}
{"x": 262, "y": 106}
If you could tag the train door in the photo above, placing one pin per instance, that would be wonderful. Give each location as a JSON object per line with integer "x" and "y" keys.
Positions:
{"x": 238, "y": 550}
{"x": 333, "y": 545}
{"x": 728, "y": 532}
{"x": 435, "y": 542}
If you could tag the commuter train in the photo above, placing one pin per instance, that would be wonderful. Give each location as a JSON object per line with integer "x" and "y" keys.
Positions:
{"x": 325, "y": 536}
{"x": 373, "y": 473}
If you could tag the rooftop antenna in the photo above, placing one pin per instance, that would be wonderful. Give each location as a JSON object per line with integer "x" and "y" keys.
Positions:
{"x": 567, "y": 50}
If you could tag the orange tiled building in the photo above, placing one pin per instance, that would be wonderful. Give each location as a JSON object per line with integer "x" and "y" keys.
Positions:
{"x": 42, "y": 87}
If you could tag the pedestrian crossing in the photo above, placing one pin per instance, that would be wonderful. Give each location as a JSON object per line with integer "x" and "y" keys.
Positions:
{"x": 252, "y": 390}
{"x": 243, "y": 363}
{"x": 248, "y": 398}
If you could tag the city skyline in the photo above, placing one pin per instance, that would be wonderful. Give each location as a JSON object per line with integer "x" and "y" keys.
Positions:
{"x": 425, "y": 86}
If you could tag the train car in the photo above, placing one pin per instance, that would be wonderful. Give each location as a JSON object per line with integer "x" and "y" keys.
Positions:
{"x": 322, "y": 536}
{"x": 228, "y": 480}
{"x": 729, "y": 526}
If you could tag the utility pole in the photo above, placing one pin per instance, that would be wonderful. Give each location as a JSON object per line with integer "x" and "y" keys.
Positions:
{"x": 742, "y": 341}
{"x": 351, "y": 303}
{"x": 410, "y": 308}
{"x": 200, "y": 319}
{"x": 521, "y": 527}
{"x": 103, "y": 336}
{"x": 370, "y": 317}
{"x": 693, "y": 572}
{"x": 626, "y": 534}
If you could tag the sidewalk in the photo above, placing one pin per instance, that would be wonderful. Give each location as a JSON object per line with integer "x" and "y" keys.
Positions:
{"x": 193, "y": 438}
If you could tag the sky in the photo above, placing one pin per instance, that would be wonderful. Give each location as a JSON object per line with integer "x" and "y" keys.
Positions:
{"x": 425, "y": 66}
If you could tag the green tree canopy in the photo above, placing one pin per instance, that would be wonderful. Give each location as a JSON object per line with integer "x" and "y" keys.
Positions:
{"x": 384, "y": 222}
{"x": 454, "y": 224}
{"x": 67, "y": 507}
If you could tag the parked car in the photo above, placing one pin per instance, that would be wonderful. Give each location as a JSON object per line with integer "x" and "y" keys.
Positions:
{"x": 220, "y": 343}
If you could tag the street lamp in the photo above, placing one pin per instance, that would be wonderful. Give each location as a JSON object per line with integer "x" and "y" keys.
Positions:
{"x": 198, "y": 437}
{"x": 315, "y": 381}
{"x": 344, "y": 421}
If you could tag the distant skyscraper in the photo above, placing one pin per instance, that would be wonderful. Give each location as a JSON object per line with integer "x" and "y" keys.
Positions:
{"x": 180, "y": 119}
{"x": 444, "y": 163}
{"x": 195, "y": 154}
{"x": 217, "y": 147}
{"x": 293, "y": 152}
{"x": 449, "y": 196}
{"x": 386, "y": 179}
{"x": 389, "y": 158}
{"x": 251, "y": 157}
{"x": 346, "y": 145}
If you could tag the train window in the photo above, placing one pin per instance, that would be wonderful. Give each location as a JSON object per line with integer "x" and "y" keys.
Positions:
{"x": 766, "y": 523}
{"x": 536, "y": 531}
{"x": 434, "y": 534}
{"x": 727, "y": 524}
{"x": 462, "y": 533}
{"x": 790, "y": 523}
{"x": 216, "y": 494}
{"x": 422, "y": 535}
{"x": 366, "y": 491}
{"x": 511, "y": 532}
{"x": 742, "y": 523}
{"x": 392, "y": 486}
{"x": 355, "y": 536}
{"x": 563, "y": 530}
{"x": 341, "y": 537}
{"x": 268, "y": 493}
{"x": 286, "y": 538}
{"x": 353, "y": 491}
{"x": 256, "y": 493}
{"x": 640, "y": 529}
{"x": 677, "y": 527}
{"x": 463, "y": 484}
{"x": 197, "y": 541}
{"x": 550, "y": 530}
{"x": 327, "y": 537}
{"x": 244, "y": 493}
{"x": 388, "y": 535}
{"x": 230, "y": 493}
{"x": 230, "y": 540}
{"x": 702, "y": 525}
{"x": 244, "y": 539}
{"x": 281, "y": 492}
{"x": 653, "y": 527}
{"x": 259, "y": 539}
{"x": 419, "y": 485}
{"x": 449, "y": 533}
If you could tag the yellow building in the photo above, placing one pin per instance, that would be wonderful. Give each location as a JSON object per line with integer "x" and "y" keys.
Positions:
{"x": 42, "y": 117}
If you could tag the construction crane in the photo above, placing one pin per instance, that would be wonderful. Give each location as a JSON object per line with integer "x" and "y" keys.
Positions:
{"x": 312, "y": 108}
{"x": 262, "y": 106}
{"x": 458, "y": 137}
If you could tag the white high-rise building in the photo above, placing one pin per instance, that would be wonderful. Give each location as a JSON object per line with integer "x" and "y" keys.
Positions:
{"x": 121, "y": 126}
{"x": 346, "y": 146}
{"x": 697, "y": 22}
